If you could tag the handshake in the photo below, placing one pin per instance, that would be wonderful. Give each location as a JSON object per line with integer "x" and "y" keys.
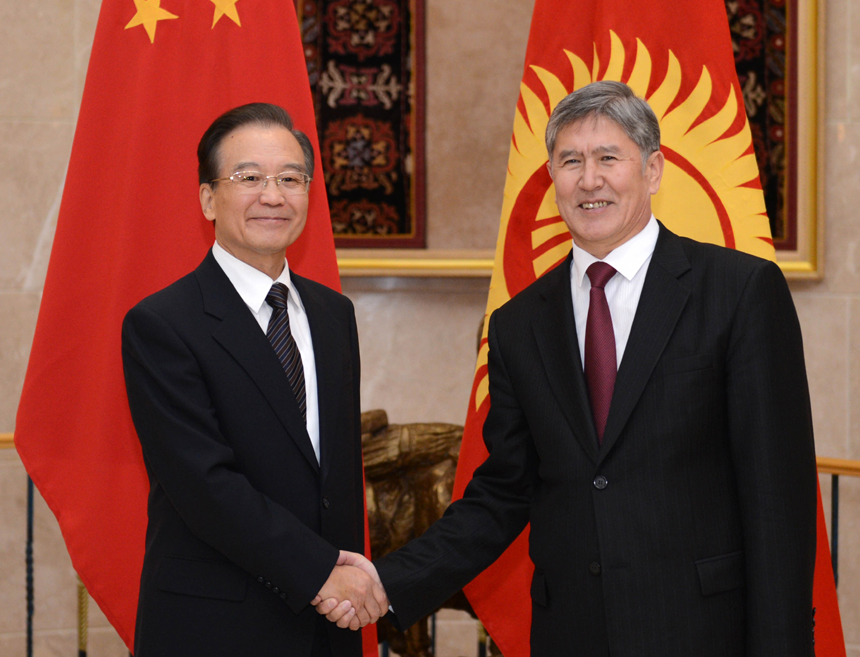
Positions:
{"x": 353, "y": 595}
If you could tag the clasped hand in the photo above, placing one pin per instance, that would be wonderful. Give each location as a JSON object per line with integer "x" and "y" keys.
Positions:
{"x": 353, "y": 595}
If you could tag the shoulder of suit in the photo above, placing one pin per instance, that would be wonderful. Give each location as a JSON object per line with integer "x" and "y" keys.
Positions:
{"x": 709, "y": 268}
{"x": 703, "y": 254}
{"x": 523, "y": 303}
{"x": 175, "y": 296}
{"x": 184, "y": 295}
{"x": 324, "y": 293}
{"x": 696, "y": 249}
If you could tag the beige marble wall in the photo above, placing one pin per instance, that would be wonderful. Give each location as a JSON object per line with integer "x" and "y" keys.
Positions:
{"x": 417, "y": 335}
{"x": 475, "y": 55}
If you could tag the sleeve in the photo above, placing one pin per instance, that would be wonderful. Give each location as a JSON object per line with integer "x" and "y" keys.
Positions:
{"x": 192, "y": 462}
{"x": 357, "y": 455}
{"x": 770, "y": 424}
{"x": 476, "y": 529}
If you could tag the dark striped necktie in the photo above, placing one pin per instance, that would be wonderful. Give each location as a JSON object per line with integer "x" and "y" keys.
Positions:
{"x": 282, "y": 340}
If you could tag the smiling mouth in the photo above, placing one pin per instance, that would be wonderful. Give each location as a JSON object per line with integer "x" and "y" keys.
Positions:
{"x": 592, "y": 206}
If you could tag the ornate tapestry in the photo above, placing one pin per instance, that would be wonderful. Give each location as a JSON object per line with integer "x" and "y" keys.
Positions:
{"x": 365, "y": 63}
{"x": 764, "y": 59}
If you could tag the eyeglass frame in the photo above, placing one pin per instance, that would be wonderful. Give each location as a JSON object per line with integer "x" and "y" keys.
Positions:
{"x": 265, "y": 181}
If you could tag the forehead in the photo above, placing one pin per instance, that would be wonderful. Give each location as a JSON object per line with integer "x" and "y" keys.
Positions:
{"x": 593, "y": 134}
{"x": 260, "y": 145}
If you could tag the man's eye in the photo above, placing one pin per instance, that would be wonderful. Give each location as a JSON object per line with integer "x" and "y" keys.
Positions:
{"x": 289, "y": 179}
{"x": 249, "y": 176}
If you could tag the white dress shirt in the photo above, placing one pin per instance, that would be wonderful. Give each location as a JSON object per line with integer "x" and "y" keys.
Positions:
{"x": 623, "y": 290}
{"x": 253, "y": 286}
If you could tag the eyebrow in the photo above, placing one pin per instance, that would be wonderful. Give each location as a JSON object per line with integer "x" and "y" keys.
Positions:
{"x": 611, "y": 149}
{"x": 256, "y": 165}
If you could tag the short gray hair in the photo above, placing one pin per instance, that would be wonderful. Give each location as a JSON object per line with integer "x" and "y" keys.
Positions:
{"x": 615, "y": 101}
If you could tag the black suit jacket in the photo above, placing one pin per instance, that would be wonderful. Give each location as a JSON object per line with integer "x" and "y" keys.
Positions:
{"x": 244, "y": 524}
{"x": 691, "y": 530}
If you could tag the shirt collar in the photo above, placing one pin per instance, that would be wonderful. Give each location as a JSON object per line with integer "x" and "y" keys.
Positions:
{"x": 252, "y": 284}
{"x": 627, "y": 259}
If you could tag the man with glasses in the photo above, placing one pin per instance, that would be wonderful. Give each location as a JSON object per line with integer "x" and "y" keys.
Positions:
{"x": 243, "y": 383}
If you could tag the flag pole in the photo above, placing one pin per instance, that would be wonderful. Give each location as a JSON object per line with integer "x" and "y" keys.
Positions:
{"x": 83, "y": 620}
{"x": 29, "y": 562}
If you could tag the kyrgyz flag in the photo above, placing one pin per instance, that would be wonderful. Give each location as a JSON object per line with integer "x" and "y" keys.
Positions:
{"x": 130, "y": 224}
{"x": 710, "y": 192}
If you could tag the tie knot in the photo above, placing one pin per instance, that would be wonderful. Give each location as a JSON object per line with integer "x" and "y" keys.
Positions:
{"x": 277, "y": 296}
{"x": 599, "y": 273}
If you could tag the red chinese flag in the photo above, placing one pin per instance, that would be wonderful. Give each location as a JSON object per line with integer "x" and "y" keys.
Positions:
{"x": 688, "y": 77}
{"x": 130, "y": 223}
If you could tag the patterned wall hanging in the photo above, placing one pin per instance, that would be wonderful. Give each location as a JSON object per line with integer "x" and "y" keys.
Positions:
{"x": 765, "y": 56}
{"x": 365, "y": 61}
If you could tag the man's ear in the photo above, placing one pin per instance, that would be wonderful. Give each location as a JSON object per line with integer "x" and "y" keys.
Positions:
{"x": 206, "y": 201}
{"x": 654, "y": 170}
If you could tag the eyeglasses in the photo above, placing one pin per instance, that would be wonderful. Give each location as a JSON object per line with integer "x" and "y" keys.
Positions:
{"x": 254, "y": 182}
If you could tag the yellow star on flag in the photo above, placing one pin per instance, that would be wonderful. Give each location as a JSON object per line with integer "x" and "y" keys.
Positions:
{"x": 149, "y": 12}
{"x": 225, "y": 8}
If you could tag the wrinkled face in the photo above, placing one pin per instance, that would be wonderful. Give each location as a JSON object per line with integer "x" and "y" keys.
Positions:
{"x": 601, "y": 190}
{"x": 256, "y": 227}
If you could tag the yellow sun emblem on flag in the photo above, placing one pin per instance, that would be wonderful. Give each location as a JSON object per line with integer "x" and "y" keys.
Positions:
{"x": 710, "y": 189}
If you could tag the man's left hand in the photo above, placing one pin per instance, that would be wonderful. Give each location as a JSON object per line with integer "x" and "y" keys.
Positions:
{"x": 349, "y": 606}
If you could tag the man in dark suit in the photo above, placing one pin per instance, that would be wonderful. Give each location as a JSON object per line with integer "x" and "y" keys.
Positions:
{"x": 649, "y": 417}
{"x": 243, "y": 383}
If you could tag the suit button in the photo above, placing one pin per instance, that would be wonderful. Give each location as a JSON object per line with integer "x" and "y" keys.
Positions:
{"x": 600, "y": 482}
{"x": 261, "y": 579}
{"x": 283, "y": 596}
{"x": 326, "y": 503}
{"x": 268, "y": 585}
{"x": 276, "y": 590}
{"x": 594, "y": 568}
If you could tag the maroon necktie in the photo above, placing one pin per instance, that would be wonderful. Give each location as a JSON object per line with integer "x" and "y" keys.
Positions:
{"x": 600, "y": 360}
{"x": 282, "y": 340}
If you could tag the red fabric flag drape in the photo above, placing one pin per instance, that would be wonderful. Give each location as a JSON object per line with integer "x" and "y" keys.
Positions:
{"x": 688, "y": 77}
{"x": 829, "y": 640}
{"x": 129, "y": 224}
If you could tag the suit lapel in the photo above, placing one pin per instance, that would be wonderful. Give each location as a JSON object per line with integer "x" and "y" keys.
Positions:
{"x": 660, "y": 305}
{"x": 240, "y": 335}
{"x": 327, "y": 356}
{"x": 555, "y": 333}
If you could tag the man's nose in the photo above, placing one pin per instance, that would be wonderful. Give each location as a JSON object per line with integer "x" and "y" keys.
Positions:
{"x": 590, "y": 178}
{"x": 272, "y": 194}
